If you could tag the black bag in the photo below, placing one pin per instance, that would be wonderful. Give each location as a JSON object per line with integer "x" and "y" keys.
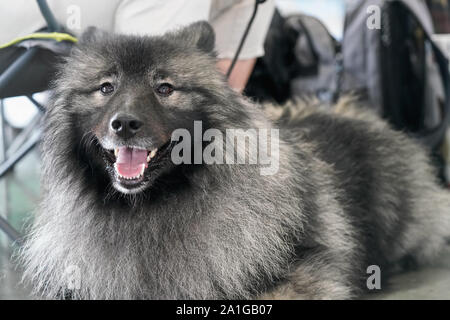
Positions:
{"x": 300, "y": 59}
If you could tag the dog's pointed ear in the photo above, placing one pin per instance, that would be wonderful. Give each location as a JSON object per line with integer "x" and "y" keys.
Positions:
{"x": 199, "y": 34}
{"x": 91, "y": 34}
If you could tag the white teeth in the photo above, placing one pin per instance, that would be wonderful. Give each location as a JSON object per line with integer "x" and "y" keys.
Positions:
{"x": 140, "y": 175}
{"x": 151, "y": 155}
{"x": 130, "y": 178}
{"x": 116, "y": 151}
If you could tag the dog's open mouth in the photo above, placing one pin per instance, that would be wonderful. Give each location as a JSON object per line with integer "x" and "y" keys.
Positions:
{"x": 132, "y": 165}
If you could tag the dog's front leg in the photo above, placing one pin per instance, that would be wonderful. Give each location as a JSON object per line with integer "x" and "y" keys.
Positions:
{"x": 315, "y": 277}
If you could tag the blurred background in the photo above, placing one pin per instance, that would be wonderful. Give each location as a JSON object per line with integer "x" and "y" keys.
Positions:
{"x": 394, "y": 59}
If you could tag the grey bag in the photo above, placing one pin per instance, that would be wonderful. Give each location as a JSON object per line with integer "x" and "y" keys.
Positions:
{"x": 315, "y": 47}
{"x": 397, "y": 67}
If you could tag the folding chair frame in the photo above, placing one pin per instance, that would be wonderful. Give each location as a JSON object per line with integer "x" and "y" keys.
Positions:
{"x": 13, "y": 71}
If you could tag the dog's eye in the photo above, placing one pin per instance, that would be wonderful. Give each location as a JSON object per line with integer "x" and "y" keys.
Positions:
{"x": 106, "y": 88}
{"x": 165, "y": 89}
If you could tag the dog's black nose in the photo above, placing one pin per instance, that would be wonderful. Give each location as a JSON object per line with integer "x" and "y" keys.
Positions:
{"x": 125, "y": 126}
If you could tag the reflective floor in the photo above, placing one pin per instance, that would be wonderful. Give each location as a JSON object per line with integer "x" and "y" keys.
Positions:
{"x": 428, "y": 283}
{"x": 19, "y": 193}
{"x": 10, "y": 286}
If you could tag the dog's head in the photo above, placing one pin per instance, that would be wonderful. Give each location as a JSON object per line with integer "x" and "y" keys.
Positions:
{"x": 128, "y": 94}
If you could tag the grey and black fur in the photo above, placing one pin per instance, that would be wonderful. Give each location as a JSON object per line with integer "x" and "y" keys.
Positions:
{"x": 350, "y": 192}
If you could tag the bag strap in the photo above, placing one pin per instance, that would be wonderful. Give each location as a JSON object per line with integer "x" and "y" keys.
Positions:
{"x": 433, "y": 137}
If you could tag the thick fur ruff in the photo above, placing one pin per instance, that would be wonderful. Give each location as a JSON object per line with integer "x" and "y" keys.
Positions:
{"x": 350, "y": 192}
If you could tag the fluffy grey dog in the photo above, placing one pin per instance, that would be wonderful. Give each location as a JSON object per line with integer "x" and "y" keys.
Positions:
{"x": 120, "y": 220}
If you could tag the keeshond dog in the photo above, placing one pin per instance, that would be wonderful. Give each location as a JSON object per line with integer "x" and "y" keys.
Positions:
{"x": 120, "y": 220}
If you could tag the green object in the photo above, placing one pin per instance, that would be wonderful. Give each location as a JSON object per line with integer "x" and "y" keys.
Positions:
{"x": 57, "y": 36}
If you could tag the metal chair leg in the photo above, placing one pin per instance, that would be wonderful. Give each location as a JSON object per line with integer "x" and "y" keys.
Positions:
{"x": 24, "y": 135}
{"x": 3, "y": 188}
{"x": 20, "y": 153}
{"x": 12, "y": 233}
{"x": 12, "y": 71}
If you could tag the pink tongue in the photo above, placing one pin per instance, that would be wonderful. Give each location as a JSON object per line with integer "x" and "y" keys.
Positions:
{"x": 130, "y": 162}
